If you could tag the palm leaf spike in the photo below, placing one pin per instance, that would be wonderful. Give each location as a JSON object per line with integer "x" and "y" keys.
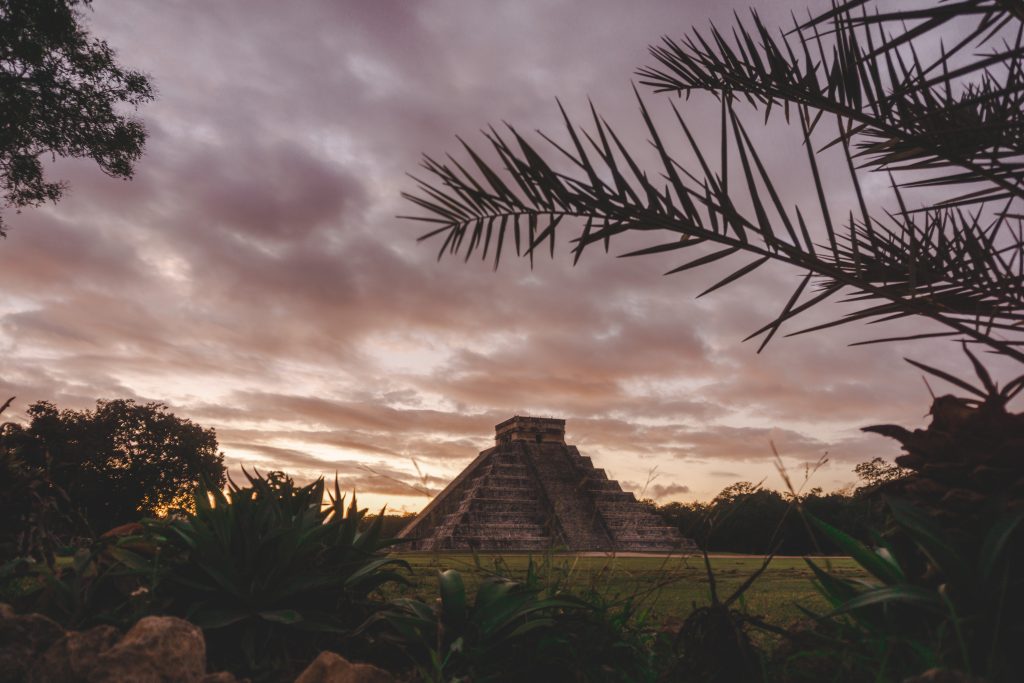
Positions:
{"x": 906, "y": 128}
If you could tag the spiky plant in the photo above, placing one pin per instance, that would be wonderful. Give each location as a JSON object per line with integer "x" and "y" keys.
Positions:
{"x": 967, "y": 466}
{"x": 273, "y": 572}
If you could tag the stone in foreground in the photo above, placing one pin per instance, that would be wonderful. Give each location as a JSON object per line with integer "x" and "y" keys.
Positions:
{"x": 533, "y": 492}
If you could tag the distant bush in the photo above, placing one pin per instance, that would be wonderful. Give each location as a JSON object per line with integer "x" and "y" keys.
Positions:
{"x": 390, "y": 525}
{"x": 752, "y": 520}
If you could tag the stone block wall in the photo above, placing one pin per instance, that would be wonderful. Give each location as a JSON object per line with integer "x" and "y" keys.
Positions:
{"x": 533, "y": 492}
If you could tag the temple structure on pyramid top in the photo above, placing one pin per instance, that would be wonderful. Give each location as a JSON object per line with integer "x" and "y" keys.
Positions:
{"x": 532, "y": 491}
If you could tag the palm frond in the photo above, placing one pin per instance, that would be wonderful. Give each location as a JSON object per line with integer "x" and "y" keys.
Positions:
{"x": 954, "y": 262}
{"x": 908, "y": 114}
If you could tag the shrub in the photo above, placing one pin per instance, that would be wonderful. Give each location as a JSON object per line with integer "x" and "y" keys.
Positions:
{"x": 109, "y": 581}
{"x": 272, "y": 574}
{"x": 513, "y": 630}
{"x": 962, "y": 612}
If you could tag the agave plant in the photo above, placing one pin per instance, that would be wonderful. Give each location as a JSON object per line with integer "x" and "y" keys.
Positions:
{"x": 511, "y": 630}
{"x": 963, "y": 613}
{"x": 271, "y": 572}
{"x": 967, "y": 468}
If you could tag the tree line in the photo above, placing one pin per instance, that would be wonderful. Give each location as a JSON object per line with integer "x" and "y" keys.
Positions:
{"x": 76, "y": 474}
{"x": 72, "y": 475}
{"x": 746, "y": 518}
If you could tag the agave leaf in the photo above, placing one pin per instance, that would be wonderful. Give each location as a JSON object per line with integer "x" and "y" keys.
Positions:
{"x": 494, "y": 614}
{"x": 375, "y": 573}
{"x": 130, "y": 559}
{"x": 995, "y": 543}
{"x": 948, "y": 377}
{"x": 282, "y": 616}
{"x": 379, "y": 578}
{"x": 913, "y": 595}
{"x": 217, "y": 618}
{"x": 836, "y": 590}
{"x": 929, "y": 537}
{"x": 516, "y": 606}
{"x": 320, "y": 623}
{"x": 415, "y": 607}
{"x": 311, "y": 583}
{"x": 882, "y": 567}
{"x": 529, "y": 626}
{"x": 453, "y": 600}
{"x": 259, "y": 557}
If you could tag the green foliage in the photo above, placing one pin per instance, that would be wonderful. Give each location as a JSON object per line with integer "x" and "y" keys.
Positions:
{"x": 29, "y": 510}
{"x": 515, "y": 630}
{"x": 964, "y": 612}
{"x": 30, "y": 506}
{"x": 391, "y": 524}
{"x": 61, "y": 93}
{"x": 714, "y": 643}
{"x": 877, "y": 471}
{"x": 108, "y": 582}
{"x": 753, "y": 520}
{"x": 115, "y": 464}
{"x": 271, "y": 573}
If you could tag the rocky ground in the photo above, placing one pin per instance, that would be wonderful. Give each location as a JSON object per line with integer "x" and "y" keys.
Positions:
{"x": 35, "y": 649}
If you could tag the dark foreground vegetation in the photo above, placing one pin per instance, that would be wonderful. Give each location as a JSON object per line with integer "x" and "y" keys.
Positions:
{"x": 275, "y": 573}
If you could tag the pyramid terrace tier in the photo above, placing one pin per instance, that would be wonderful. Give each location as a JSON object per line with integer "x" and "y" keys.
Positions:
{"x": 534, "y": 492}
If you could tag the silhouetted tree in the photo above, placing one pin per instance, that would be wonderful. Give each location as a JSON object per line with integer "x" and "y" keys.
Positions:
{"x": 875, "y": 472}
{"x": 390, "y": 525}
{"x": 61, "y": 94}
{"x": 30, "y": 507}
{"x": 117, "y": 463}
{"x": 745, "y": 518}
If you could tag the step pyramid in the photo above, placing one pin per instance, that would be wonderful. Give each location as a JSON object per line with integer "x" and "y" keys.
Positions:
{"x": 533, "y": 492}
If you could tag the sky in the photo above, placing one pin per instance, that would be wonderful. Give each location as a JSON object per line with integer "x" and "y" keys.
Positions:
{"x": 254, "y": 275}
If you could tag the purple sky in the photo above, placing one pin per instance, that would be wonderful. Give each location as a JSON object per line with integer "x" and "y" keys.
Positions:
{"x": 253, "y": 275}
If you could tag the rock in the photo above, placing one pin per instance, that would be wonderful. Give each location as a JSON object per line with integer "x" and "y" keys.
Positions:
{"x": 73, "y": 657}
{"x": 329, "y": 667}
{"x": 6, "y": 611}
{"x": 155, "y": 650}
{"x": 23, "y": 638}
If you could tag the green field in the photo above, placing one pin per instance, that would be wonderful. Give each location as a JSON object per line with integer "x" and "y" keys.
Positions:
{"x": 667, "y": 588}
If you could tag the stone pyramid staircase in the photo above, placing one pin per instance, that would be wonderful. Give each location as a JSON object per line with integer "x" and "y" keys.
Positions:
{"x": 532, "y": 492}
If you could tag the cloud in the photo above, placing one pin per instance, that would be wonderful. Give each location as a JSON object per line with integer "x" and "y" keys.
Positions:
{"x": 660, "y": 491}
{"x": 254, "y": 274}
{"x": 373, "y": 478}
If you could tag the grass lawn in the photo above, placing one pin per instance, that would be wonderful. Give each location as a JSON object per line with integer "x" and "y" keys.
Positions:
{"x": 667, "y": 587}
